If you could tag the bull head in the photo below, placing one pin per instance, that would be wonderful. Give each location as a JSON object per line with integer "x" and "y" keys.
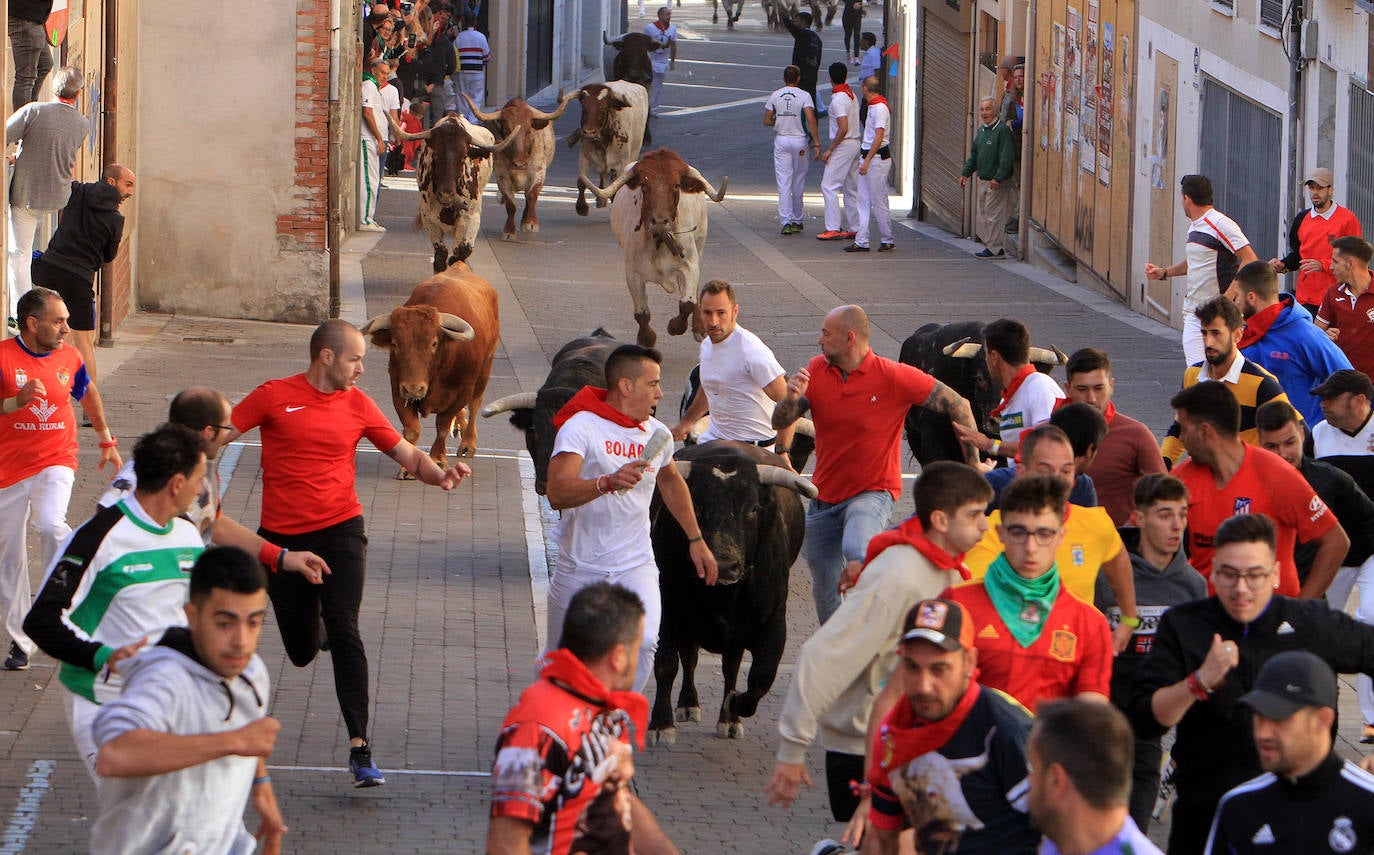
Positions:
{"x": 968, "y": 348}
{"x": 451, "y": 325}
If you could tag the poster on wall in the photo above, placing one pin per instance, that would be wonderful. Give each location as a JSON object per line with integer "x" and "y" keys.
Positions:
{"x": 1056, "y": 111}
{"x": 1087, "y": 150}
{"x": 1159, "y": 141}
{"x": 1105, "y": 108}
{"x": 1073, "y": 77}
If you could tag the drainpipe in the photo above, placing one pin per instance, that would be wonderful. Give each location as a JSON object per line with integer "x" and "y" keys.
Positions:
{"x": 1027, "y": 134}
{"x": 109, "y": 129}
{"x": 333, "y": 202}
{"x": 1296, "y": 13}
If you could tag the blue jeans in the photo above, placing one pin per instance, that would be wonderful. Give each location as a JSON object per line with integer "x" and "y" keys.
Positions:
{"x": 836, "y": 534}
{"x": 32, "y": 60}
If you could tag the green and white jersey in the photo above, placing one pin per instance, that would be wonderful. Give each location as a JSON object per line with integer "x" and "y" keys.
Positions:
{"x": 121, "y": 577}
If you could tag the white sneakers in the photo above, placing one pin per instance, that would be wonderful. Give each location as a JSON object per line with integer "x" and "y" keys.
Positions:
{"x": 371, "y": 227}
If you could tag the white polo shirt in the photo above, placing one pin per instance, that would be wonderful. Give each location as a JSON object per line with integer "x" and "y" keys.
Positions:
{"x": 879, "y": 116}
{"x": 733, "y": 373}
{"x": 788, "y": 105}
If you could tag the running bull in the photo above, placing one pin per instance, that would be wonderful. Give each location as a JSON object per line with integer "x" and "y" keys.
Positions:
{"x": 442, "y": 342}
{"x": 659, "y": 219}
{"x": 521, "y": 167}
{"x": 614, "y": 127}
{"x": 953, "y": 354}
{"x": 749, "y": 507}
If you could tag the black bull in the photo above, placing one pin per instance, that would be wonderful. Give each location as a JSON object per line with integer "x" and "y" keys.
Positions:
{"x": 929, "y": 434}
{"x": 755, "y": 531}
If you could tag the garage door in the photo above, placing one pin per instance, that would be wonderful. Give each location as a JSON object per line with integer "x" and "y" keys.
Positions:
{"x": 944, "y": 121}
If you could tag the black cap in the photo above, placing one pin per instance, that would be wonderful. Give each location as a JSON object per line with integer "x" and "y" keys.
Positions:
{"x": 944, "y": 623}
{"x": 1289, "y": 682}
{"x": 1345, "y": 380}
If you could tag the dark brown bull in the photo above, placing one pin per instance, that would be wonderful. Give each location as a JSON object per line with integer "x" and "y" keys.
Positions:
{"x": 441, "y": 343}
{"x": 632, "y": 61}
{"x": 524, "y": 163}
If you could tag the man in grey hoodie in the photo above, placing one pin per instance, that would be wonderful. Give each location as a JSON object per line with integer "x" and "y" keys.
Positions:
{"x": 187, "y": 741}
{"x": 1163, "y": 578}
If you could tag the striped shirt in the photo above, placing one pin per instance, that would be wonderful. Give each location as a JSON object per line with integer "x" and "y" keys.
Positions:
{"x": 473, "y": 51}
{"x": 1213, "y": 241}
{"x": 1253, "y": 387}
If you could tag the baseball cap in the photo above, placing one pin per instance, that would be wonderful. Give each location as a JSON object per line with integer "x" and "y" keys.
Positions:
{"x": 1345, "y": 380}
{"x": 1321, "y": 176}
{"x": 1289, "y": 682}
{"x": 944, "y": 623}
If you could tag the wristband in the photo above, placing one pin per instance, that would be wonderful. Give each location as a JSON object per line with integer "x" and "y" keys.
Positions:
{"x": 695, "y": 539}
{"x": 787, "y": 451}
{"x": 281, "y": 558}
{"x": 1132, "y": 622}
{"x": 265, "y": 779}
{"x": 270, "y": 555}
{"x": 110, "y": 443}
{"x": 1198, "y": 688}
{"x": 599, "y": 488}
{"x": 1164, "y": 274}
{"x": 996, "y": 448}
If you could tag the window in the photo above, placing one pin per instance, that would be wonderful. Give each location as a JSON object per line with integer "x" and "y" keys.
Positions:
{"x": 1271, "y": 13}
{"x": 1241, "y": 144}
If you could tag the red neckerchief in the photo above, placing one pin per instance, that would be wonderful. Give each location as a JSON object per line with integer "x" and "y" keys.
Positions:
{"x": 1258, "y": 324}
{"x": 878, "y": 99}
{"x": 561, "y": 667}
{"x": 903, "y": 736}
{"x": 910, "y": 533}
{"x": 841, "y": 88}
{"x": 662, "y": 27}
{"x": 1015, "y": 384}
{"x": 593, "y": 400}
{"x": 1108, "y": 414}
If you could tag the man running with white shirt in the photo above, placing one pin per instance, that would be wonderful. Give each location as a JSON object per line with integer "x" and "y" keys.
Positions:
{"x": 741, "y": 380}
{"x": 841, "y": 159}
{"x": 874, "y": 165}
{"x": 792, "y": 114}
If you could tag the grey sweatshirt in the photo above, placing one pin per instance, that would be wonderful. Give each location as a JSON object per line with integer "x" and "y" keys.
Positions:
{"x": 198, "y": 809}
{"x": 52, "y": 133}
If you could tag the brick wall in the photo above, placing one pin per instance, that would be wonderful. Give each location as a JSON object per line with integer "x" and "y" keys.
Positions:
{"x": 122, "y": 284}
{"x": 305, "y": 226}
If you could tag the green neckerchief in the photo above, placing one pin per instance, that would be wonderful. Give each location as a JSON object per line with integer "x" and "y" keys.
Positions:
{"x": 1023, "y": 604}
{"x": 368, "y": 76}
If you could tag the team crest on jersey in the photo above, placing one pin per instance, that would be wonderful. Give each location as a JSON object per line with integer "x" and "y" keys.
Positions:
{"x": 21, "y": 377}
{"x": 1369, "y": 314}
{"x": 63, "y": 375}
{"x": 1342, "y": 837}
{"x": 1062, "y": 645}
{"x": 1077, "y": 553}
{"x": 1242, "y": 506}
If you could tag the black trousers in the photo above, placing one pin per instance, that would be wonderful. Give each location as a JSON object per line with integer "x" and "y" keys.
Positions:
{"x": 299, "y": 606}
{"x": 840, "y": 769}
{"x": 853, "y": 26}
{"x": 1145, "y": 781}
{"x": 1191, "y": 825}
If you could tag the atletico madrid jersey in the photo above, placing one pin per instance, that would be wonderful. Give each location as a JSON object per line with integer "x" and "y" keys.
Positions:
{"x": 43, "y": 432}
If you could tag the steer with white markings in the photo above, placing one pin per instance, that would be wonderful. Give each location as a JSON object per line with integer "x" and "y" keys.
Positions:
{"x": 614, "y": 127}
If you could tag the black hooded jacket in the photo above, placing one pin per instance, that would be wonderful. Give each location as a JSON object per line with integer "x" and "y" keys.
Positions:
{"x": 90, "y": 230}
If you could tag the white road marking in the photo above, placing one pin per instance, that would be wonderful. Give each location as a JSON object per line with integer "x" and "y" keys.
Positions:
{"x": 25, "y": 814}
{"x": 535, "y": 549}
{"x": 426, "y": 773}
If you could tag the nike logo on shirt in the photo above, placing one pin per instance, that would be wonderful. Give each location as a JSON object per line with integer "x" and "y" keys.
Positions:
{"x": 294, "y": 409}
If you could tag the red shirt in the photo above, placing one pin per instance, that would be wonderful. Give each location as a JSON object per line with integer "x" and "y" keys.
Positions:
{"x": 43, "y": 433}
{"x": 1265, "y": 484}
{"x": 1127, "y": 452}
{"x": 1354, "y": 317}
{"x": 1314, "y": 241}
{"x": 1072, "y": 655}
{"x": 309, "y": 442}
{"x": 859, "y": 424}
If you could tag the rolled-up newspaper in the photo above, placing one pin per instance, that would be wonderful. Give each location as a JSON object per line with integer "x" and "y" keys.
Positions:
{"x": 656, "y": 443}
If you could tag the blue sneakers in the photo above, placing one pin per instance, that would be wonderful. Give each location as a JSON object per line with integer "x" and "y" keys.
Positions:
{"x": 365, "y": 773}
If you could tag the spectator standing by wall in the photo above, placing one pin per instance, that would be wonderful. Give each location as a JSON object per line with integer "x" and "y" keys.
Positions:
{"x": 1309, "y": 240}
{"x": 29, "y": 44}
{"x": 369, "y": 160}
{"x": 473, "y": 55}
{"x": 992, "y": 160}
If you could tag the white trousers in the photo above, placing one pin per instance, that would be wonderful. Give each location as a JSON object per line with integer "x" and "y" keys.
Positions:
{"x": 656, "y": 92}
{"x": 1338, "y": 594}
{"x": 568, "y": 580}
{"x": 842, "y": 176}
{"x": 873, "y": 201}
{"x": 23, "y": 223}
{"x": 790, "y": 165}
{"x": 80, "y": 716}
{"x": 1193, "y": 351}
{"x": 39, "y": 500}
{"x": 474, "y": 85}
{"x": 369, "y": 182}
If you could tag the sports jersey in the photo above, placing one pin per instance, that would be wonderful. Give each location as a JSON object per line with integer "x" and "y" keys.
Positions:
{"x": 1264, "y": 484}
{"x": 309, "y": 446}
{"x": 1213, "y": 241}
{"x": 610, "y": 534}
{"x": 789, "y": 106}
{"x": 847, "y": 105}
{"x": 473, "y": 50}
{"x": 1330, "y": 809}
{"x": 1309, "y": 236}
{"x": 1352, "y": 452}
{"x": 1354, "y": 317}
{"x": 859, "y": 423}
{"x": 202, "y": 514}
{"x": 1090, "y": 540}
{"x": 1072, "y": 655}
{"x": 1031, "y": 403}
{"x": 120, "y": 578}
{"x": 733, "y": 373}
{"x": 557, "y": 757}
{"x": 43, "y": 433}
{"x": 987, "y": 803}
{"x": 1253, "y": 387}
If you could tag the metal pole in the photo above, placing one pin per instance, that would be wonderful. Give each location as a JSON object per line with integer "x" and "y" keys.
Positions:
{"x": 108, "y": 145}
{"x": 1296, "y": 62}
{"x": 333, "y": 202}
{"x": 1027, "y": 133}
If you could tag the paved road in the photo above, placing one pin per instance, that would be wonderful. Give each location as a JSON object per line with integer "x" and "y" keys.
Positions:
{"x": 450, "y": 609}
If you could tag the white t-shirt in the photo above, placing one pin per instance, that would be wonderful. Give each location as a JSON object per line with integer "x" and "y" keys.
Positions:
{"x": 788, "y": 105}
{"x": 372, "y": 100}
{"x": 1213, "y": 241}
{"x": 842, "y": 104}
{"x": 733, "y": 373}
{"x": 391, "y": 103}
{"x": 659, "y": 58}
{"x": 611, "y": 532}
{"x": 1031, "y": 405}
{"x": 878, "y": 117}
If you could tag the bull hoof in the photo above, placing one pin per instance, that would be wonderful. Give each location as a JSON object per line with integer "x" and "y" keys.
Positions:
{"x": 529, "y": 227}
{"x": 688, "y": 713}
{"x": 508, "y": 236}
{"x": 600, "y": 203}
{"x": 581, "y": 207}
{"x": 664, "y": 736}
{"x": 729, "y": 729}
{"x": 646, "y": 338}
{"x": 403, "y": 475}
{"x": 467, "y": 451}
{"x": 677, "y": 326}
{"x": 714, "y": 19}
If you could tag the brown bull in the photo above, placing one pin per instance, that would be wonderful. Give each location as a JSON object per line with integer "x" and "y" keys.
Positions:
{"x": 615, "y": 119}
{"x": 521, "y": 167}
{"x": 441, "y": 343}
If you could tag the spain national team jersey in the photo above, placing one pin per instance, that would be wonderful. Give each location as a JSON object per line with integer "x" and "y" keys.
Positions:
{"x": 43, "y": 432}
{"x": 1072, "y": 655}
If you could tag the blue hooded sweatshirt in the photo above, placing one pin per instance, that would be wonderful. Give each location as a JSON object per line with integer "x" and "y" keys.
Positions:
{"x": 1298, "y": 354}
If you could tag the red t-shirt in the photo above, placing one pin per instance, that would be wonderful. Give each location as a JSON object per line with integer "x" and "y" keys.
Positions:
{"x": 1354, "y": 317}
{"x": 859, "y": 424}
{"x": 309, "y": 442}
{"x": 1265, "y": 484}
{"x": 1315, "y": 234}
{"x": 1072, "y": 655}
{"x": 43, "y": 433}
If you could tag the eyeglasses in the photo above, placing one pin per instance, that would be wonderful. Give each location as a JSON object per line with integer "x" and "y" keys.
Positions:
{"x": 219, "y": 428}
{"x": 1230, "y": 578}
{"x": 1018, "y": 533}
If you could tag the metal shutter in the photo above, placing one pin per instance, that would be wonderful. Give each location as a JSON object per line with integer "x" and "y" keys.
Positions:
{"x": 944, "y": 121}
{"x": 1359, "y": 172}
{"x": 1241, "y": 148}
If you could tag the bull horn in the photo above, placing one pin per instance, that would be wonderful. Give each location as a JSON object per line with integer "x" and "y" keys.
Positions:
{"x": 964, "y": 348}
{"x": 1048, "y": 355}
{"x": 486, "y": 117}
{"x": 684, "y": 468}
{"x": 710, "y": 191}
{"x": 777, "y": 476}
{"x": 501, "y": 146}
{"x": 518, "y": 401}
{"x": 805, "y": 427}
{"x": 609, "y": 193}
{"x": 377, "y": 324}
{"x": 455, "y": 327}
{"x": 563, "y": 102}
{"x": 401, "y": 132}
